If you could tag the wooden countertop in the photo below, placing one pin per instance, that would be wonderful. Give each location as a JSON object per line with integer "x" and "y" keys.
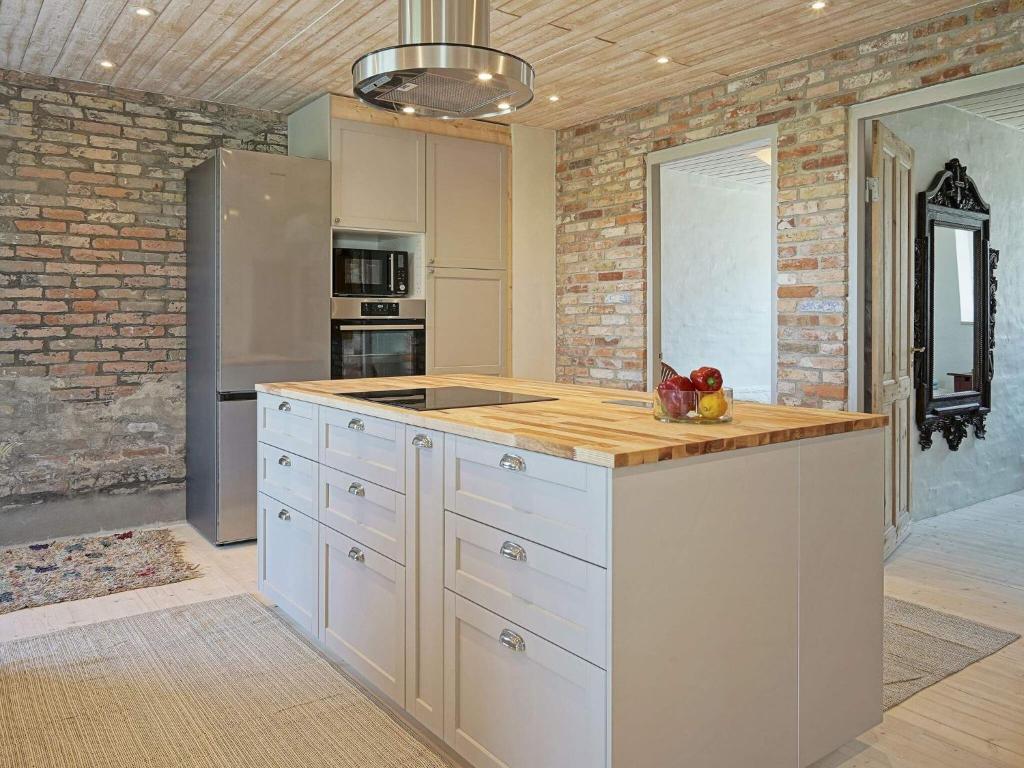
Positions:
{"x": 582, "y": 424}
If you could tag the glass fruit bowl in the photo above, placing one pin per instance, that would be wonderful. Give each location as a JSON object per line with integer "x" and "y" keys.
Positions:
{"x": 679, "y": 406}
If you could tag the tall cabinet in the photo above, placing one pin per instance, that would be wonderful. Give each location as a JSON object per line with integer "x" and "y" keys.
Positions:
{"x": 445, "y": 182}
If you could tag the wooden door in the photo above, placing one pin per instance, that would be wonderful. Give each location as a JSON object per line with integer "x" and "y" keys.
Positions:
{"x": 890, "y": 318}
{"x": 467, "y": 322}
{"x": 378, "y": 177}
{"x": 468, "y": 203}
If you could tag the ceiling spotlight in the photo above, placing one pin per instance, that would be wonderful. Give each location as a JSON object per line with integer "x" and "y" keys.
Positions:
{"x": 552, "y": 97}
{"x": 409, "y": 110}
{"x": 485, "y": 76}
{"x": 819, "y": 5}
{"x": 663, "y": 59}
{"x": 504, "y": 105}
{"x": 107, "y": 64}
{"x": 143, "y": 12}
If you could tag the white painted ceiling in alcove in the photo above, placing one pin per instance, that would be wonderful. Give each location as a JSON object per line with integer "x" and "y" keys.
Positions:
{"x": 1005, "y": 106}
{"x": 745, "y": 164}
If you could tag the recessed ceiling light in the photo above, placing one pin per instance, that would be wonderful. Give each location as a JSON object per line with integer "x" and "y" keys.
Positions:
{"x": 552, "y": 97}
{"x": 143, "y": 12}
{"x": 663, "y": 59}
{"x": 107, "y": 64}
{"x": 819, "y": 5}
{"x": 504, "y": 105}
{"x": 485, "y": 76}
{"x": 409, "y": 110}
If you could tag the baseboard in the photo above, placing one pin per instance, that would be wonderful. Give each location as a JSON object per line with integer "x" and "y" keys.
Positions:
{"x": 91, "y": 513}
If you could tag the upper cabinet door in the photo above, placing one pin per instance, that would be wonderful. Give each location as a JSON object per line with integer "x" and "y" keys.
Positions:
{"x": 378, "y": 177}
{"x": 468, "y": 203}
{"x": 466, "y": 323}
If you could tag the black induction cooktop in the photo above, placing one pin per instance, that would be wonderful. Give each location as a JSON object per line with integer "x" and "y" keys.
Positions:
{"x": 443, "y": 398}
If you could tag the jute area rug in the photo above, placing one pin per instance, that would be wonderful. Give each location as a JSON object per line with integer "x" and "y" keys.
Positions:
{"x": 89, "y": 566}
{"x": 223, "y": 683}
{"x": 923, "y": 646}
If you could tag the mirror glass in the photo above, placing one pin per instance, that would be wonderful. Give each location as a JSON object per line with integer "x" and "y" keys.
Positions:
{"x": 953, "y": 307}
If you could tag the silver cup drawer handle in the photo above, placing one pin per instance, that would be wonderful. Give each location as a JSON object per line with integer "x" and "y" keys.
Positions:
{"x": 422, "y": 441}
{"x": 512, "y": 462}
{"x": 286, "y": 407}
{"x": 357, "y": 554}
{"x": 357, "y": 425}
{"x": 512, "y": 640}
{"x": 284, "y": 514}
{"x": 356, "y": 489}
{"x": 284, "y": 461}
{"x": 513, "y": 551}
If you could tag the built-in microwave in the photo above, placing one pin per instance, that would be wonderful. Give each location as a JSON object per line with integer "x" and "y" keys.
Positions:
{"x": 368, "y": 272}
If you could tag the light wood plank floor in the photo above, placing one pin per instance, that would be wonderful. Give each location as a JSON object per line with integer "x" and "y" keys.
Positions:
{"x": 969, "y": 562}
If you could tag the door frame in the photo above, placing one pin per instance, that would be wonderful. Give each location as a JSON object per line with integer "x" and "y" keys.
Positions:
{"x": 655, "y": 160}
{"x": 858, "y": 257}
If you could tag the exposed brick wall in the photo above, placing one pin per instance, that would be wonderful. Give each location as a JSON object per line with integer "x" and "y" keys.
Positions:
{"x": 92, "y": 280}
{"x": 601, "y": 205}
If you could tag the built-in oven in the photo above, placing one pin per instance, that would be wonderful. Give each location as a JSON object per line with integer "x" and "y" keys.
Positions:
{"x": 369, "y": 272}
{"x": 382, "y": 337}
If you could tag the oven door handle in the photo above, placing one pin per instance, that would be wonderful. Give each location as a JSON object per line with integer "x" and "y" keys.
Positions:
{"x": 381, "y": 327}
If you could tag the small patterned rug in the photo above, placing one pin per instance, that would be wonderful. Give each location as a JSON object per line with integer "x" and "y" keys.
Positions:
{"x": 89, "y": 566}
{"x": 923, "y": 646}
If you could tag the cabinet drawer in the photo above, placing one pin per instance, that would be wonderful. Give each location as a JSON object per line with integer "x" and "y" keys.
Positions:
{"x": 559, "y": 597}
{"x": 513, "y": 700}
{"x": 288, "y": 424}
{"x": 370, "y": 448}
{"x": 559, "y": 503}
{"x": 286, "y": 554}
{"x": 372, "y": 515}
{"x": 287, "y": 477}
{"x": 362, "y": 611}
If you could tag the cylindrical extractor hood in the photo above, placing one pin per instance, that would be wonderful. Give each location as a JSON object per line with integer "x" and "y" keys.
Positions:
{"x": 443, "y": 66}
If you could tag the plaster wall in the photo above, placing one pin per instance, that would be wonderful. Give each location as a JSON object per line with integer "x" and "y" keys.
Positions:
{"x": 716, "y": 280}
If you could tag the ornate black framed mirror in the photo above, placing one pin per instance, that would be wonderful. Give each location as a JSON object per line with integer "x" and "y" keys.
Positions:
{"x": 954, "y": 323}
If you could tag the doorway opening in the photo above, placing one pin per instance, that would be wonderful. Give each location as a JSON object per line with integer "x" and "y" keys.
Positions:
{"x": 943, "y": 184}
{"x": 713, "y": 262}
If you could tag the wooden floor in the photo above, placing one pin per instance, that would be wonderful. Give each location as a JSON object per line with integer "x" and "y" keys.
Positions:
{"x": 969, "y": 562}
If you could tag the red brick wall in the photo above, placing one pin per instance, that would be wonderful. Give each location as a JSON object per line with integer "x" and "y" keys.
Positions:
{"x": 92, "y": 280}
{"x": 601, "y": 205}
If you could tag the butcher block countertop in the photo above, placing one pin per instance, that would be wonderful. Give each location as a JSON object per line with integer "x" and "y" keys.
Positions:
{"x": 582, "y": 424}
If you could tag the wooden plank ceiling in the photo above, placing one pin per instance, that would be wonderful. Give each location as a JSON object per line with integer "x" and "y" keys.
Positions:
{"x": 597, "y": 56}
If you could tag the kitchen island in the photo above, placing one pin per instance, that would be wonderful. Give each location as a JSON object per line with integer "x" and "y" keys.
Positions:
{"x": 570, "y": 582}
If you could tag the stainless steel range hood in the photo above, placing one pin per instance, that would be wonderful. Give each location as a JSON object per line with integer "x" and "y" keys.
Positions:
{"x": 443, "y": 66}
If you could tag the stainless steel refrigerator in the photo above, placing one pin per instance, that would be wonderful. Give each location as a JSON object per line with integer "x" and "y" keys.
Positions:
{"x": 258, "y": 310}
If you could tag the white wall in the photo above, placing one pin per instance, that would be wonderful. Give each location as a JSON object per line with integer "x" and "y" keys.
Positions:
{"x": 533, "y": 253}
{"x": 716, "y": 279}
{"x": 954, "y": 348}
{"x": 944, "y": 480}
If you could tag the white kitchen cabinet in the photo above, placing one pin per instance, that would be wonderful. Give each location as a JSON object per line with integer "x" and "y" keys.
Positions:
{"x": 424, "y": 602}
{"x": 362, "y": 611}
{"x": 287, "y": 477}
{"x": 371, "y": 514}
{"x": 466, "y": 320}
{"x": 559, "y": 597}
{"x": 558, "y": 502}
{"x": 378, "y": 177}
{"x": 288, "y": 424}
{"x": 514, "y": 700}
{"x": 467, "y": 203}
{"x": 286, "y": 555}
{"x": 364, "y": 446}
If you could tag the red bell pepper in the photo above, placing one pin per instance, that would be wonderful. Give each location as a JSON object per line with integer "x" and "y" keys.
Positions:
{"x": 707, "y": 379}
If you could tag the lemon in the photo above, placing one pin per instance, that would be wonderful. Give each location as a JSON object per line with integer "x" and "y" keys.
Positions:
{"x": 713, "y": 405}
